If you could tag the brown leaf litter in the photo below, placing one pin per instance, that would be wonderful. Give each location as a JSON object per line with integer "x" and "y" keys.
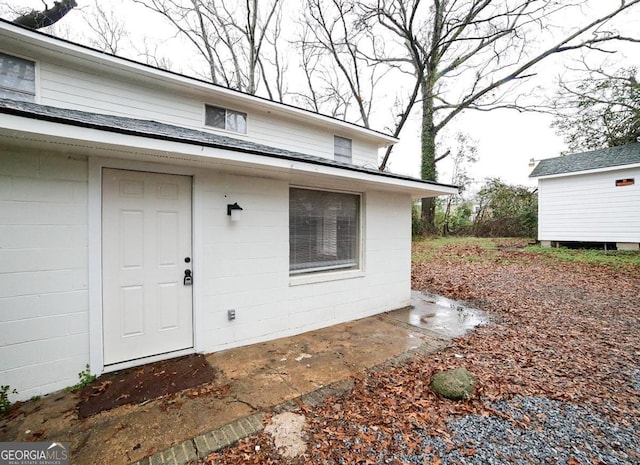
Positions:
{"x": 564, "y": 330}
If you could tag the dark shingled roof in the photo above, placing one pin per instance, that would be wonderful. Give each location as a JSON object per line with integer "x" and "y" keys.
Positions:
{"x": 168, "y": 132}
{"x": 596, "y": 159}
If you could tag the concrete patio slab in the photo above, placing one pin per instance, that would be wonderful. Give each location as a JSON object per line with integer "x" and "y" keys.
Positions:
{"x": 250, "y": 382}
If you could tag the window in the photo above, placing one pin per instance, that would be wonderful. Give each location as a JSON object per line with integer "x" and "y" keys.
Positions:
{"x": 223, "y": 118}
{"x": 324, "y": 231}
{"x": 17, "y": 78}
{"x": 342, "y": 149}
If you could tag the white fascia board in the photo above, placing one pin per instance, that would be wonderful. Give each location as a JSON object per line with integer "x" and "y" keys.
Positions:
{"x": 105, "y": 143}
{"x": 95, "y": 59}
{"x": 593, "y": 171}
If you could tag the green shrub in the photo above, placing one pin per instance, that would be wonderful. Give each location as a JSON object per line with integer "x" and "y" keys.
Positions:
{"x": 5, "y": 403}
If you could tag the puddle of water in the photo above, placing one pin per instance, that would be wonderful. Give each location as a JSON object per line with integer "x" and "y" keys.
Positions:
{"x": 445, "y": 316}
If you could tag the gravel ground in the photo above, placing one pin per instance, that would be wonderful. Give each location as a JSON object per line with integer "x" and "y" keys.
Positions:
{"x": 545, "y": 431}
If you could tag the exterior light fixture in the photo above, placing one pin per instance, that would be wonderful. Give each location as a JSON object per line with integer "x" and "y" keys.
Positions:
{"x": 234, "y": 211}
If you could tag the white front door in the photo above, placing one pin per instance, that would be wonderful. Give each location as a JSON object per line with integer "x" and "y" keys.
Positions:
{"x": 146, "y": 248}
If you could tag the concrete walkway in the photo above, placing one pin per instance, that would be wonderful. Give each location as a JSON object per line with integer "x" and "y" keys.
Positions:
{"x": 279, "y": 375}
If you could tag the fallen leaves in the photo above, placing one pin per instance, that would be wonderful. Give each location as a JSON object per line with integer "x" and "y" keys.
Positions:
{"x": 564, "y": 330}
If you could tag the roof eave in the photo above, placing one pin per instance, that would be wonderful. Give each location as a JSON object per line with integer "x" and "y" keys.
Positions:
{"x": 583, "y": 172}
{"x": 90, "y": 139}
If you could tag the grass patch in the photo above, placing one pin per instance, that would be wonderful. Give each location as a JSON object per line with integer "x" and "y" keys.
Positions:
{"x": 427, "y": 248}
{"x": 614, "y": 258}
{"x": 477, "y": 249}
{"x": 439, "y": 241}
{"x": 462, "y": 248}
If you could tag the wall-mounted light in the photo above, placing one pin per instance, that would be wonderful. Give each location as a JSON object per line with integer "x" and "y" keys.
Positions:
{"x": 234, "y": 211}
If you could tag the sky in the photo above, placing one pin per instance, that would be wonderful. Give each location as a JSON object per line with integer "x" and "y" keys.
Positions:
{"x": 506, "y": 140}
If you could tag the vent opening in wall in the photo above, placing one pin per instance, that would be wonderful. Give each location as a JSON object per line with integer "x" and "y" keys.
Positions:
{"x": 625, "y": 182}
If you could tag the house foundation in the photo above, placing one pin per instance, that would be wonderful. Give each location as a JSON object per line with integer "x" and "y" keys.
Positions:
{"x": 628, "y": 245}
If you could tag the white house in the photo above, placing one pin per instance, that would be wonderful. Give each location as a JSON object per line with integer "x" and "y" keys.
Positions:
{"x": 119, "y": 242}
{"x": 590, "y": 197}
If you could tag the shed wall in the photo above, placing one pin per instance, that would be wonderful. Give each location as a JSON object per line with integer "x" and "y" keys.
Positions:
{"x": 590, "y": 208}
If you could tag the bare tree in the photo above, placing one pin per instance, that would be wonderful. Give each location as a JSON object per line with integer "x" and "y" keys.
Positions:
{"x": 230, "y": 36}
{"x": 273, "y": 75}
{"x": 39, "y": 19}
{"x": 149, "y": 52}
{"x": 464, "y": 154}
{"x": 109, "y": 33}
{"x": 335, "y": 46}
{"x": 597, "y": 108}
{"x": 106, "y": 29}
{"x": 471, "y": 54}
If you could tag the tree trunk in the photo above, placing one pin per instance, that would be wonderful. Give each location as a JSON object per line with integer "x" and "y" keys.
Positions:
{"x": 428, "y": 152}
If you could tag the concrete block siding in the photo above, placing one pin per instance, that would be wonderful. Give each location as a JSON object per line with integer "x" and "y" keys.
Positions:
{"x": 44, "y": 328}
{"x": 246, "y": 264}
{"x": 44, "y": 266}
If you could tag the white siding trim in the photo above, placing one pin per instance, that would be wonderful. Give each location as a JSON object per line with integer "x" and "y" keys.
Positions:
{"x": 96, "y": 360}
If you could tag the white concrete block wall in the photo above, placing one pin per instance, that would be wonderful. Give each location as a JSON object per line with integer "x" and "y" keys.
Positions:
{"x": 247, "y": 269}
{"x": 44, "y": 326}
{"x": 245, "y": 263}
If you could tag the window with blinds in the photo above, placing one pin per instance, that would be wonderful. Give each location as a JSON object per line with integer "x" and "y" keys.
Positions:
{"x": 17, "y": 78}
{"x": 324, "y": 231}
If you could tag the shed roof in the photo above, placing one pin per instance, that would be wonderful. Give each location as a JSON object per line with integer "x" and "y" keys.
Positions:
{"x": 609, "y": 157}
{"x": 162, "y": 131}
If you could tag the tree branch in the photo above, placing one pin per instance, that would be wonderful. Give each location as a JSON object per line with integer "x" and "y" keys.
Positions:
{"x": 39, "y": 19}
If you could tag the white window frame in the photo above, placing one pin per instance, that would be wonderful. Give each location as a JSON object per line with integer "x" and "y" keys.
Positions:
{"x": 228, "y": 114}
{"x": 31, "y": 96}
{"x": 338, "y": 270}
{"x": 340, "y": 150}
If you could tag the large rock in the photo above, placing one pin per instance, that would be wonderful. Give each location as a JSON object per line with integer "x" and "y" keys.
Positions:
{"x": 455, "y": 384}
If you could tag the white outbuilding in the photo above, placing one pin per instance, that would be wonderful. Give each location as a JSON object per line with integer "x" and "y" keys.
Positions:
{"x": 590, "y": 197}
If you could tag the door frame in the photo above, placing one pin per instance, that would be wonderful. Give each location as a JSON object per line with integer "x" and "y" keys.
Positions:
{"x": 96, "y": 342}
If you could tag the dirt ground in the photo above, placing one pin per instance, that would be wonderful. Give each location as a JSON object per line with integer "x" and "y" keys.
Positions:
{"x": 144, "y": 383}
{"x": 562, "y": 328}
